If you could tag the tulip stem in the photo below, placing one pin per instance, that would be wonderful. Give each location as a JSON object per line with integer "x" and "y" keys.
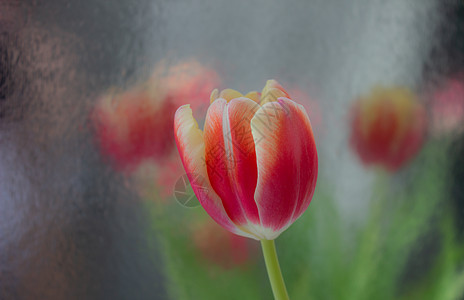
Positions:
{"x": 273, "y": 270}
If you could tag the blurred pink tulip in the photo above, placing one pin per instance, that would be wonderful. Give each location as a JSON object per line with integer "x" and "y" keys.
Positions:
{"x": 447, "y": 108}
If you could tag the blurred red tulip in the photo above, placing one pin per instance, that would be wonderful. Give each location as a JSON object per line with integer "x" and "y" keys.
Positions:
{"x": 447, "y": 108}
{"x": 133, "y": 127}
{"x": 136, "y": 126}
{"x": 220, "y": 247}
{"x": 187, "y": 82}
{"x": 387, "y": 127}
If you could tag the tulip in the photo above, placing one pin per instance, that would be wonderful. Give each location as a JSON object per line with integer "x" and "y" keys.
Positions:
{"x": 254, "y": 167}
{"x": 134, "y": 127}
{"x": 447, "y": 107}
{"x": 187, "y": 82}
{"x": 387, "y": 127}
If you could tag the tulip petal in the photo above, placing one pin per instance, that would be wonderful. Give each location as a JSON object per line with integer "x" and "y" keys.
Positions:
{"x": 245, "y": 174}
{"x": 272, "y": 91}
{"x": 231, "y": 159}
{"x": 189, "y": 139}
{"x": 229, "y": 94}
{"x": 214, "y": 95}
{"x": 287, "y": 164}
{"x": 255, "y": 96}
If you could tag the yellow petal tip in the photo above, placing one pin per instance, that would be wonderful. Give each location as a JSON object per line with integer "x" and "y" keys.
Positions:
{"x": 214, "y": 95}
{"x": 229, "y": 94}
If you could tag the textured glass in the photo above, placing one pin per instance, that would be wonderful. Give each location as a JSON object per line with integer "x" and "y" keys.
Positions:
{"x": 94, "y": 203}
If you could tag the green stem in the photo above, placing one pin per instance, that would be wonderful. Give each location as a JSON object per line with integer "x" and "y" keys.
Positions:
{"x": 273, "y": 270}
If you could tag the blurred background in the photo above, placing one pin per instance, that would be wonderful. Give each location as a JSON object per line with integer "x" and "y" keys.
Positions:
{"x": 94, "y": 203}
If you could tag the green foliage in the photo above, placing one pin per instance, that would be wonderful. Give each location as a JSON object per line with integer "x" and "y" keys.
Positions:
{"x": 323, "y": 256}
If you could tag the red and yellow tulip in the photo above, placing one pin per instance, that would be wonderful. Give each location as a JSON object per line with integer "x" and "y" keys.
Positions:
{"x": 387, "y": 127}
{"x": 254, "y": 166}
